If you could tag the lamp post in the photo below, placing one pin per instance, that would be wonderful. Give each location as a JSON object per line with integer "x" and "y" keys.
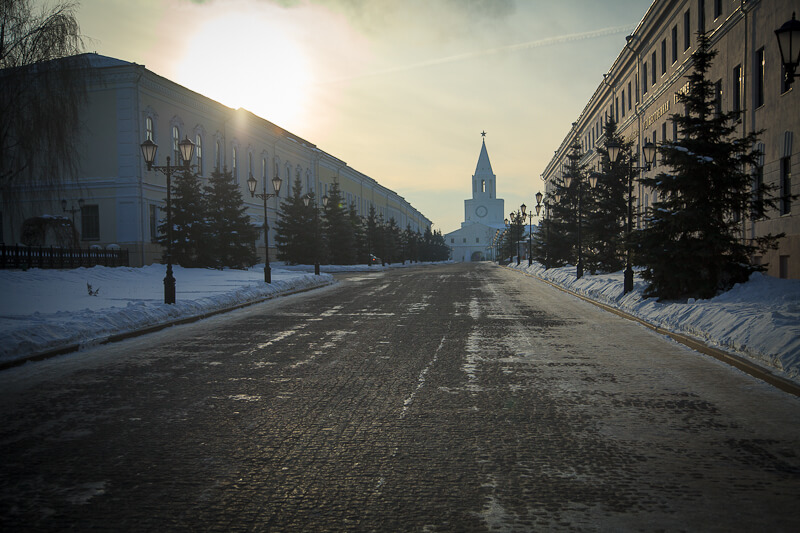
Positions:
{"x": 186, "y": 148}
{"x": 72, "y": 210}
{"x": 306, "y": 202}
{"x": 789, "y": 45}
{"x": 539, "y": 197}
{"x": 648, "y": 153}
{"x": 276, "y": 185}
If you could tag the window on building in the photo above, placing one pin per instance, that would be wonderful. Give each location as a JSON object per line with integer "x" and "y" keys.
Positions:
{"x": 629, "y": 96}
{"x": 264, "y": 169}
{"x": 737, "y": 88}
{"x": 674, "y": 130}
{"x": 663, "y": 57}
{"x": 148, "y": 125}
{"x": 616, "y": 108}
{"x": 758, "y": 81}
{"x": 176, "y": 138}
{"x": 663, "y": 132}
{"x": 153, "y": 223}
{"x": 783, "y": 266}
{"x": 687, "y": 30}
{"x": 757, "y": 187}
{"x": 717, "y": 9}
{"x": 644, "y": 79}
{"x": 701, "y": 15}
{"x": 786, "y": 185}
{"x": 90, "y": 223}
{"x": 217, "y": 155}
{"x": 235, "y": 164}
{"x": 622, "y": 96}
{"x": 477, "y": 240}
{"x": 465, "y": 240}
{"x": 675, "y": 44}
{"x": 198, "y": 149}
{"x": 249, "y": 163}
{"x": 653, "y": 66}
{"x": 452, "y": 240}
{"x": 483, "y": 185}
{"x": 718, "y": 97}
{"x": 655, "y": 158}
{"x": 637, "y": 88}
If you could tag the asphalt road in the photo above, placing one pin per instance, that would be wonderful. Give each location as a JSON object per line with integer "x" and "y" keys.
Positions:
{"x": 462, "y": 397}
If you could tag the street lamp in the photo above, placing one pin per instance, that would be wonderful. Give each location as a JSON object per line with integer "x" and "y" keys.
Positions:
{"x": 306, "y": 202}
{"x": 72, "y": 210}
{"x": 789, "y": 45}
{"x": 539, "y": 197}
{"x": 276, "y": 184}
{"x": 648, "y": 153}
{"x": 186, "y": 148}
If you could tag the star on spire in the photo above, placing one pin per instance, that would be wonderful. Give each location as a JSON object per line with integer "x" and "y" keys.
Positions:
{"x": 483, "y": 134}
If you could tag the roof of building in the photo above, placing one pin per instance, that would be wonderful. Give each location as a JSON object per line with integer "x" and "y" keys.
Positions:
{"x": 484, "y": 167}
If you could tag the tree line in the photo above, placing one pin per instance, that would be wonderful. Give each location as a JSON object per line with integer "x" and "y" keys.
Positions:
{"x": 211, "y": 228}
{"x": 690, "y": 242}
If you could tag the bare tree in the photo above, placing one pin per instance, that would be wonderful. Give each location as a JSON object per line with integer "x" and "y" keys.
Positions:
{"x": 42, "y": 90}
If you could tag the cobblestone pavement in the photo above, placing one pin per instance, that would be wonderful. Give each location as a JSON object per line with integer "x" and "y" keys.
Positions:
{"x": 452, "y": 398}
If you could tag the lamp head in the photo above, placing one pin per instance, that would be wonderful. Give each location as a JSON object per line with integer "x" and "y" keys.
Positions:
{"x": 276, "y": 184}
{"x": 251, "y": 185}
{"x": 186, "y": 148}
{"x": 149, "y": 149}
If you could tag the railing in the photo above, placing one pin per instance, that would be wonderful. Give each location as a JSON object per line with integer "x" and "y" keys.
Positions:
{"x": 40, "y": 257}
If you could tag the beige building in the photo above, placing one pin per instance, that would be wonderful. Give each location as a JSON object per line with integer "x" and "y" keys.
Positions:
{"x": 123, "y": 201}
{"x": 639, "y": 92}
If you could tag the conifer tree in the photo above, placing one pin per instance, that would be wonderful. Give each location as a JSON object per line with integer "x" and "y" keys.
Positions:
{"x": 231, "y": 237}
{"x": 188, "y": 222}
{"x": 338, "y": 230}
{"x": 295, "y": 228}
{"x": 359, "y": 230}
{"x": 607, "y": 218}
{"x": 392, "y": 240}
{"x": 563, "y": 238}
{"x": 692, "y": 244}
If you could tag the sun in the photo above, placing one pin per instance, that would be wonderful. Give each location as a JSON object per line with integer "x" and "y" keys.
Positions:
{"x": 246, "y": 59}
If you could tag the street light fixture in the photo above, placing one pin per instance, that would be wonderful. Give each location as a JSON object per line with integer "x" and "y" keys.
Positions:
{"x": 648, "y": 153}
{"x": 72, "y": 210}
{"x": 306, "y": 202}
{"x": 186, "y": 149}
{"x": 789, "y": 45}
{"x": 276, "y": 185}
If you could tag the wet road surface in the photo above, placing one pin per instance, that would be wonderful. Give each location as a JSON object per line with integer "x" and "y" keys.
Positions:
{"x": 452, "y": 398}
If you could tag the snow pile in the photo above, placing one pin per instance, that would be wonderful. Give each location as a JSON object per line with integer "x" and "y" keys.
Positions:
{"x": 43, "y": 310}
{"x": 759, "y": 320}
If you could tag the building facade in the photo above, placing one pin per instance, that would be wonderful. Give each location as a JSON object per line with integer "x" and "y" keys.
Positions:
{"x": 639, "y": 93}
{"x": 483, "y": 216}
{"x": 123, "y": 202}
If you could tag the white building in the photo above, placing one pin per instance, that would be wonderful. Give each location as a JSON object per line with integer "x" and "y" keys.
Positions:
{"x": 123, "y": 202}
{"x": 483, "y": 216}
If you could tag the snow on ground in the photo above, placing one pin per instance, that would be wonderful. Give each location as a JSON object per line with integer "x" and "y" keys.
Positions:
{"x": 43, "y": 310}
{"x": 758, "y": 320}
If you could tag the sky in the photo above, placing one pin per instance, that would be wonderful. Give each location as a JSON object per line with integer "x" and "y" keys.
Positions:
{"x": 399, "y": 89}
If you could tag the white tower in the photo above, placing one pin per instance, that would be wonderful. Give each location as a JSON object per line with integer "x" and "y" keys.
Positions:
{"x": 484, "y": 206}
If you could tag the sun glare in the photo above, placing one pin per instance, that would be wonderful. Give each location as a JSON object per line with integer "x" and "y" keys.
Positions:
{"x": 244, "y": 59}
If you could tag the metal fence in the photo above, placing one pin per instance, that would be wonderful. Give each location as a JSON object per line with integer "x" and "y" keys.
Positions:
{"x": 51, "y": 257}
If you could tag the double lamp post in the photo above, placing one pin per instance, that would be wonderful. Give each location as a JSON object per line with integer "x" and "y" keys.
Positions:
{"x": 276, "y": 185}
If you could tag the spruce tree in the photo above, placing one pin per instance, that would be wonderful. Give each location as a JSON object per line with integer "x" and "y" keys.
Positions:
{"x": 392, "y": 239}
{"x": 338, "y": 230}
{"x": 373, "y": 233}
{"x": 231, "y": 237}
{"x": 692, "y": 245}
{"x": 563, "y": 235}
{"x": 295, "y": 228}
{"x": 188, "y": 222}
{"x": 607, "y": 219}
{"x": 359, "y": 230}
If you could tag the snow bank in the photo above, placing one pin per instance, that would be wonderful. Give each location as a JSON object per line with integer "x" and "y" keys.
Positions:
{"x": 758, "y": 320}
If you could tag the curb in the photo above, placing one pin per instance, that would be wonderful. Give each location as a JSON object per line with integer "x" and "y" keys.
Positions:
{"x": 732, "y": 359}
{"x": 116, "y": 337}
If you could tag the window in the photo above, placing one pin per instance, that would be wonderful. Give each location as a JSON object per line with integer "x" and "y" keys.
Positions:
{"x": 786, "y": 185}
{"x": 783, "y": 266}
{"x": 149, "y": 129}
{"x": 249, "y": 163}
{"x": 717, "y": 9}
{"x": 655, "y": 157}
{"x": 235, "y": 166}
{"x": 264, "y": 169}
{"x": 663, "y": 57}
{"x": 675, "y": 44}
{"x": 737, "y": 88}
{"x": 637, "y": 88}
{"x": 674, "y": 130}
{"x": 90, "y": 223}
{"x": 687, "y": 30}
{"x": 653, "y": 66}
{"x": 217, "y": 154}
{"x": 644, "y": 79}
{"x": 629, "y": 96}
{"x": 465, "y": 240}
{"x": 477, "y": 240}
{"x": 198, "y": 149}
{"x": 616, "y": 106}
{"x": 483, "y": 185}
{"x": 623, "y": 102}
{"x": 758, "y": 90}
{"x": 153, "y": 223}
{"x": 663, "y": 132}
{"x": 701, "y": 15}
{"x": 452, "y": 240}
{"x": 176, "y": 137}
{"x": 718, "y": 97}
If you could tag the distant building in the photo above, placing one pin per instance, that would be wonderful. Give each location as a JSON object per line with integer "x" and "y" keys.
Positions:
{"x": 483, "y": 216}
{"x": 639, "y": 93}
{"x": 123, "y": 202}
